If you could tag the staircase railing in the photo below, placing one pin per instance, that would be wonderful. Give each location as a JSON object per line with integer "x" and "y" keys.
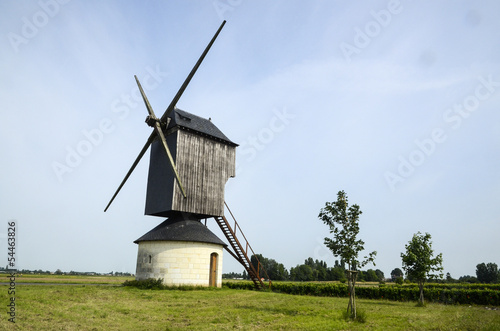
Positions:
{"x": 241, "y": 252}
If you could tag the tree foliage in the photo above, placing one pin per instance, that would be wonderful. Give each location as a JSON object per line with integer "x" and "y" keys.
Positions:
{"x": 396, "y": 273}
{"x": 419, "y": 263}
{"x": 468, "y": 279}
{"x": 275, "y": 270}
{"x": 319, "y": 271}
{"x": 487, "y": 273}
{"x": 343, "y": 221}
{"x": 301, "y": 272}
{"x": 380, "y": 275}
{"x": 371, "y": 276}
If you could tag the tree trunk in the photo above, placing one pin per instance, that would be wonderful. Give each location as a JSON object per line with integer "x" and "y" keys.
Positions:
{"x": 353, "y": 312}
{"x": 349, "y": 286}
{"x": 351, "y": 281}
{"x": 421, "y": 298}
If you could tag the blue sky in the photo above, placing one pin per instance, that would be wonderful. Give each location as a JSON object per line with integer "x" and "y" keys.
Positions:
{"x": 395, "y": 102}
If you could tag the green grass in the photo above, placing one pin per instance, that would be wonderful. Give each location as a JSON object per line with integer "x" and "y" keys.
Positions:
{"x": 51, "y": 307}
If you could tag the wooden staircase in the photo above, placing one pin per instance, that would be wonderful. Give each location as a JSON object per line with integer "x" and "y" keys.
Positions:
{"x": 240, "y": 252}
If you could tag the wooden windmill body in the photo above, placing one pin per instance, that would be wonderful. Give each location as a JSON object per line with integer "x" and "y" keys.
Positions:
{"x": 190, "y": 163}
{"x": 205, "y": 159}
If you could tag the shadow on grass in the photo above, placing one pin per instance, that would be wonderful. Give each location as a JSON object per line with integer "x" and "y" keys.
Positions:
{"x": 157, "y": 284}
{"x": 383, "y": 303}
{"x": 272, "y": 310}
{"x": 360, "y": 316}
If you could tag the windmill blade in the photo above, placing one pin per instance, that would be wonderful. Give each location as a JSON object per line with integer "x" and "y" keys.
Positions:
{"x": 167, "y": 113}
{"x": 171, "y": 107}
{"x": 159, "y": 132}
{"x": 143, "y": 150}
{"x": 169, "y": 155}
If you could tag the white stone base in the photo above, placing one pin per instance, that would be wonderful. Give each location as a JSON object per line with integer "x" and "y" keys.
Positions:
{"x": 178, "y": 262}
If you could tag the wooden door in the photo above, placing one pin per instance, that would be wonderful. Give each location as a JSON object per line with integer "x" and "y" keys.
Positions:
{"x": 213, "y": 270}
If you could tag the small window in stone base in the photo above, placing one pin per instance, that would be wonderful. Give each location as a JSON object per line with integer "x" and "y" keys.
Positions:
{"x": 150, "y": 259}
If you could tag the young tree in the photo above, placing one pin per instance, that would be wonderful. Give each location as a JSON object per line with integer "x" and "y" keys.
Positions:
{"x": 418, "y": 262}
{"x": 344, "y": 226}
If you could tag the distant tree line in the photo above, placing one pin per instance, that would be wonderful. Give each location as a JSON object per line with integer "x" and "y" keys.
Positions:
{"x": 275, "y": 270}
{"x": 310, "y": 270}
{"x": 233, "y": 275}
{"x": 26, "y": 271}
{"x": 314, "y": 270}
{"x": 486, "y": 273}
{"x": 59, "y": 272}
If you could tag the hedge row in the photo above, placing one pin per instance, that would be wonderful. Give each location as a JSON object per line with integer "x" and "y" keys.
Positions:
{"x": 475, "y": 286}
{"x": 397, "y": 293}
{"x": 432, "y": 294}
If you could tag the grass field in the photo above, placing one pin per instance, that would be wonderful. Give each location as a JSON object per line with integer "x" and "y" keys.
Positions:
{"x": 94, "y": 307}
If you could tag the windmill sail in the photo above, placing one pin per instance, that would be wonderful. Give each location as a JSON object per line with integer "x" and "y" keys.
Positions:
{"x": 167, "y": 113}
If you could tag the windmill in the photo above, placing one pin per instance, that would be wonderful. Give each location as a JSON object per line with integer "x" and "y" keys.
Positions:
{"x": 190, "y": 163}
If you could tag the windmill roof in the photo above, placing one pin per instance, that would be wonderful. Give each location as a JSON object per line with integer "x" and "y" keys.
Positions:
{"x": 198, "y": 124}
{"x": 177, "y": 228}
